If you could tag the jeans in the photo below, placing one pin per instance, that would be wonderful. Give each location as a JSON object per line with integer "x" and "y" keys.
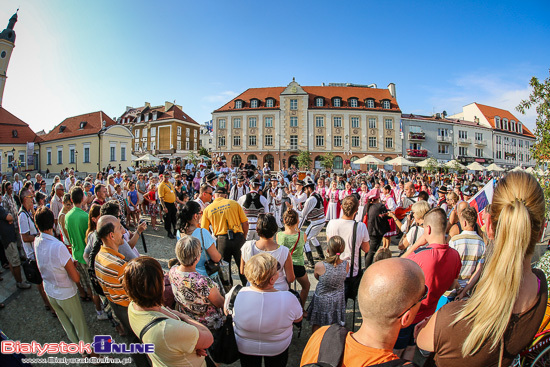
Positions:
{"x": 279, "y": 360}
{"x": 170, "y": 218}
{"x": 232, "y": 248}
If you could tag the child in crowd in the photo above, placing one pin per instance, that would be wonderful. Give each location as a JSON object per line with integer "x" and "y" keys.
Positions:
{"x": 152, "y": 206}
{"x": 133, "y": 203}
{"x": 328, "y": 305}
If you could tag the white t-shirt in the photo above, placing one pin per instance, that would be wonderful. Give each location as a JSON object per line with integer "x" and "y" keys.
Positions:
{"x": 52, "y": 256}
{"x": 263, "y": 321}
{"x": 411, "y": 234}
{"x": 344, "y": 228}
{"x": 26, "y": 225}
{"x": 249, "y": 249}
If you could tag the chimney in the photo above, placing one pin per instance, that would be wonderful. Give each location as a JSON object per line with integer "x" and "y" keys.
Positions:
{"x": 167, "y": 106}
{"x": 391, "y": 88}
{"x": 147, "y": 104}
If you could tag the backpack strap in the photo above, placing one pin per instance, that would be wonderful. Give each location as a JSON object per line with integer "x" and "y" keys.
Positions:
{"x": 150, "y": 325}
{"x": 231, "y": 304}
{"x": 331, "y": 350}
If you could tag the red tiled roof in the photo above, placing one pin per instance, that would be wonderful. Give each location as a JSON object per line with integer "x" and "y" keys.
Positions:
{"x": 327, "y": 92}
{"x": 490, "y": 113}
{"x": 72, "y": 126}
{"x": 173, "y": 112}
{"x": 9, "y": 123}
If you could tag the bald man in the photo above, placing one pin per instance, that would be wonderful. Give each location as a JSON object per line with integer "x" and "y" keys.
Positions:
{"x": 386, "y": 306}
{"x": 410, "y": 196}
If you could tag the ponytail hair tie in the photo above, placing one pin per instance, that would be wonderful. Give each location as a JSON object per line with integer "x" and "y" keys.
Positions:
{"x": 337, "y": 254}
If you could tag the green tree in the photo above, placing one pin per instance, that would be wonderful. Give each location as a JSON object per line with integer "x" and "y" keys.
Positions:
{"x": 193, "y": 158}
{"x": 327, "y": 160}
{"x": 540, "y": 151}
{"x": 304, "y": 159}
{"x": 204, "y": 151}
{"x": 432, "y": 165}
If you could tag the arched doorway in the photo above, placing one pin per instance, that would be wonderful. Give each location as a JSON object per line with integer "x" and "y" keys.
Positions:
{"x": 236, "y": 160}
{"x": 319, "y": 162}
{"x": 268, "y": 158}
{"x": 253, "y": 159}
{"x": 293, "y": 160}
{"x": 388, "y": 167}
{"x": 338, "y": 163}
{"x": 354, "y": 166}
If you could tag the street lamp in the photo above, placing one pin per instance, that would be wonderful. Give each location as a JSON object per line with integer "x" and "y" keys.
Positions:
{"x": 76, "y": 159}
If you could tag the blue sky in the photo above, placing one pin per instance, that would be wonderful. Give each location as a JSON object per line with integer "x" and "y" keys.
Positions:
{"x": 74, "y": 57}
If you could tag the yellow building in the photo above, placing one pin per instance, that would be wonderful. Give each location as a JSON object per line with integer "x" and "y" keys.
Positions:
{"x": 165, "y": 131}
{"x": 15, "y": 136}
{"x": 86, "y": 143}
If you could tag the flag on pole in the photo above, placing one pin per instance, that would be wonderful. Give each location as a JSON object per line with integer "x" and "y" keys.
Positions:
{"x": 482, "y": 199}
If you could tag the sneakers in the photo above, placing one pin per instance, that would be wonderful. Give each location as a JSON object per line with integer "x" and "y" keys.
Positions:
{"x": 23, "y": 285}
{"x": 102, "y": 316}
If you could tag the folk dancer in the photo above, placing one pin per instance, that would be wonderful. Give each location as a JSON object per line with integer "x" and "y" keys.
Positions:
{"x": 253, "y": 204}
{"x": 333, "y": 196}
{"x": 274, "y": 199}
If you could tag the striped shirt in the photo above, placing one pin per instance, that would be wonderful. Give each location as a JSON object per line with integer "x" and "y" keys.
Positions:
{"x": 109, "y": 269}
{"x": 471, "y": 249}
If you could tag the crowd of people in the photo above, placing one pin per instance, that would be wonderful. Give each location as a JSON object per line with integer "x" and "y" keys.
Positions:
{"x": 434, "y": 303}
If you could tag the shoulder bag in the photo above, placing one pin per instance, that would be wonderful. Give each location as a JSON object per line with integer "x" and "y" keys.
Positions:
{"x": 210, "y": 265}
{"x": 30, "y": 266}
{"x": 224, "y": 349}
{"x": 351, "y": 284}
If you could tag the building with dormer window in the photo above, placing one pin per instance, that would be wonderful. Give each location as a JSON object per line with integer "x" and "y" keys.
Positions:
{"x": 271, "y": 125}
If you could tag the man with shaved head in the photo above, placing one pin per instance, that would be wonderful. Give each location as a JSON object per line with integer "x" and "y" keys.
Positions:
{"x": 386, "y": 306}
{"x": 456, "y": 228}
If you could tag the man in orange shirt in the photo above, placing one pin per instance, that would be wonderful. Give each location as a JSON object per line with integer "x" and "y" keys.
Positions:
{"x": 386, "y": 307}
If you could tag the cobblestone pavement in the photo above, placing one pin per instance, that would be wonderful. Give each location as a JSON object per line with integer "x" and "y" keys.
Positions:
{"x": 25, "y": 319}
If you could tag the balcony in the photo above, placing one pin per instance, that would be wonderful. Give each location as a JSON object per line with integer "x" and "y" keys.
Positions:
{"x": 444, "y": 139}
{"x": 464, "y": 141}
{"x": 480, "y": 143}
{"x": 417, "y": 136}
{"x": 417, "y": 153}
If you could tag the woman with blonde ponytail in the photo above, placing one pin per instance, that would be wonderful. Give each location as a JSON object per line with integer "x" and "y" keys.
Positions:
{"x": 507, "y": 307}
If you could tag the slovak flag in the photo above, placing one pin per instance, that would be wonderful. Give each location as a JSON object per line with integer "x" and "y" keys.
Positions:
{"x": 483, "y": 198}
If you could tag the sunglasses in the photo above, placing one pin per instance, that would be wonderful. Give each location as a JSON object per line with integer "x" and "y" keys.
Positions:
{"x": 424, "y": 296}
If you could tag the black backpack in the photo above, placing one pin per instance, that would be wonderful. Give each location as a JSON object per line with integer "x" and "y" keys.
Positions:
{"x": 331, "y": 350}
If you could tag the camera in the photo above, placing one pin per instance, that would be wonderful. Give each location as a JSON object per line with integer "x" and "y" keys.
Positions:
{"x": 230, "y": 234}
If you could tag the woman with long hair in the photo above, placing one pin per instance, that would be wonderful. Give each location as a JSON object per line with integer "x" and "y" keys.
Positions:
{"x": 509, "y": 302}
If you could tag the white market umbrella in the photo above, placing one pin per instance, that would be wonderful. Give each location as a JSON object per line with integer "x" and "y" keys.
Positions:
{"x": 494, "y": 167}
{"x": 428, "y": 162}
{"x": 399, "y": 161}
{"x": 454, "y": 164}
{"x": 206, "y": 158}
{"x": 148, "y": 158}
{"x": 518, "y": 168}
{"x": 368, "y": 159}
{"x": 475, "y": 166}
{"x": 530, "y": 170}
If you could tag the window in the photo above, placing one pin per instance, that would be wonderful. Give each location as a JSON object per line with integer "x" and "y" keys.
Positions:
{"x": 443, "y": 132}
{"x": 178, "y": 145}
{"x": 372, "y": 142}
{"x": 144, "y": 133}
{"x": 238, "y": 104}
{"x": 136, "y": 131}
{"x": 520, "y": 143}
{"x": 293, "y": 104}
{"x": 462, "y": 151}
{"x": 389, "y": 143}
{"x": 337, "y": 141}
{"x": 370, "y": 103}
{"x": 144, "y": 145}
{"x": 319, "y": 121}
{"x": 236, "y": 123}
{"x": 187, "y": 145}
{"x": 293, "y": 141}
{"x": 415, "y": 129}
{"x": 269, "y": 140}
{"x": 195, "y": 133}
{"x": 520, "y": 128}
{"x": 187, "y": 133}
{"x": 513, "y": 125}
{"x": 505, "y": 123}
{"x": 336, "y": 102}
{"x": 252, "y": 122}
{"x": 113, "y": 153}
{"x": 497, "y": 122}
{"x": 252, "y": 140}
{"x": 355, "y": 141}
{"x": 499, "y": 154}
{"x": 389, "y": 124}
{"x": 353, "y": 102}
{"x": 179, "y": 129}
{"x": 221, "y": 141}
{"x": 386, "y": 104}
{"x": 320, "y": 140}
{"x": 499, "y": 139}
{"x": 49, "y": 157}
{"x": 479, "y": 137}
{"x": 479, "y": 153}
{"x": 338, "y": 163}
{"x": 122, "y": 153}
{"x": 443, "y": 149}
{"x": 153, "y": 131}
{"x": 71, "y": 155}
{"x": 87, "y": 153}
{"x": 139, "y": 118}
{"x": 254, "y": 103}
{"x": 146, "y": 117}
{"x": 462, "y": 134}
{"x": 154, "y": 115}
{"x": 268, "y": 122}
{"x": 355, "y": 122}
{"x": 237, "y": 140}
{"x": 293, "y": 121}
{"x": 221, "y": 124}
{"x": 269, "y": 102}
{"x": 337, "y": 121}
{"x": 319, "y": 102}
{"x": 195, "y": 145}
{"x": 372, "y": 123}
{"x": 513, "y": 142}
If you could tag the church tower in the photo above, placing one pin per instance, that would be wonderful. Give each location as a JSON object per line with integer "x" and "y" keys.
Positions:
{"x": 7, "y": 43}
